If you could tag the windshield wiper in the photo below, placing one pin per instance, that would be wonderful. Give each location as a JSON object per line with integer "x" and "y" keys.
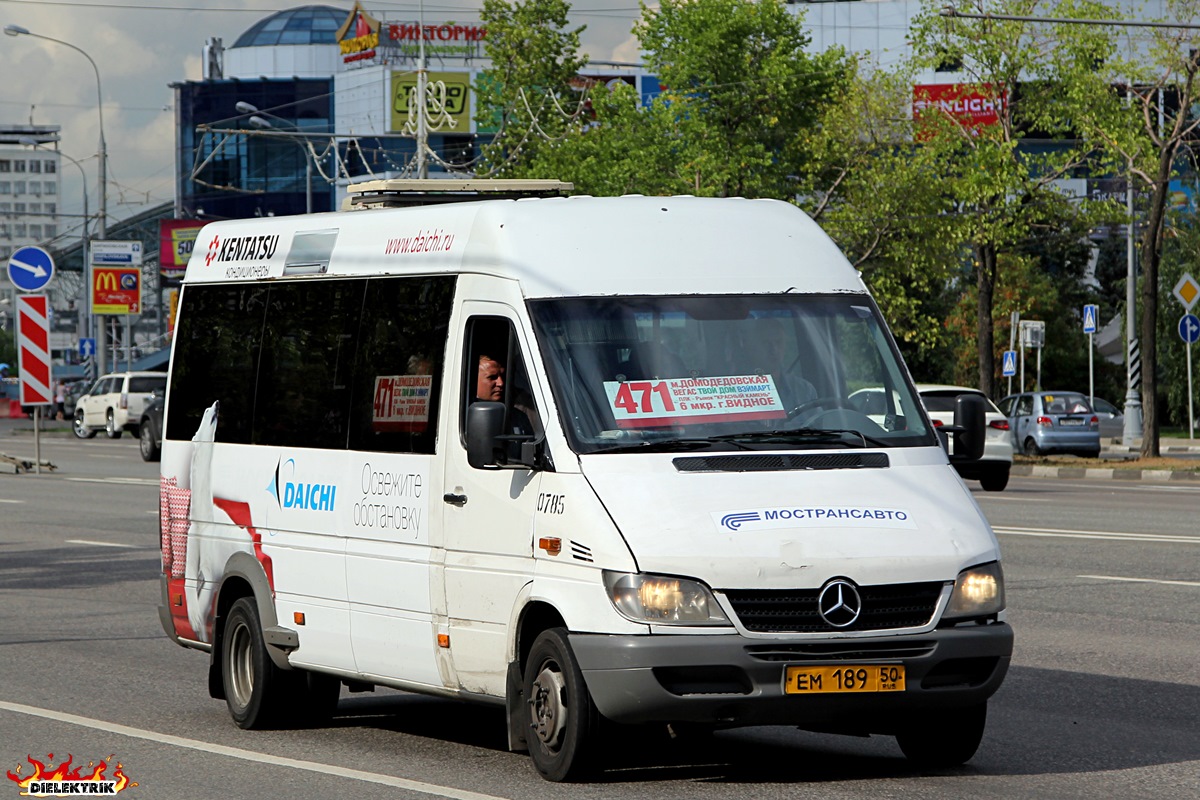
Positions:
{"x": 671, "y": 445}
{"x": 840, "y": 435}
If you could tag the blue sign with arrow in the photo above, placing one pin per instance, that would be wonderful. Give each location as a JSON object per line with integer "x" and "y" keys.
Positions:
{"x": 87, "y": 348}
{"x": 1189, "y": 328}
{"x": 30, "y": 269}
{"x": 1091, "y": 315}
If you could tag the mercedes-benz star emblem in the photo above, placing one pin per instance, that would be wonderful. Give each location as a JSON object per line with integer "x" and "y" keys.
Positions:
{"x": 839, "y": 603}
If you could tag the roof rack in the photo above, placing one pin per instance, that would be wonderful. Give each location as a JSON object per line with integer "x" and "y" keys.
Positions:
{"x": 400, "y": 192}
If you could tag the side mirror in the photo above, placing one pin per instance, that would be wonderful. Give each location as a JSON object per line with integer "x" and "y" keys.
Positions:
{"x": 970, "y": 427}
{"x": 485, "y": 423}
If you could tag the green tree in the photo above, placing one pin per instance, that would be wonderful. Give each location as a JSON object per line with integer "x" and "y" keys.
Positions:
{"x": 741, "y": 84}
{"x": 1181, "y": 246}
{"x": 526, "y": 94}
{"x": 1042, "y": 79}
{"x": 1161, "y": 92}
{"x": 884, "y": 200}
{"x": 740, "y": 87}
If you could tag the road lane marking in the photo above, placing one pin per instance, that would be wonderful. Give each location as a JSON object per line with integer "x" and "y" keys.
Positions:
{"x": 1139, "y": 580}
{"x": 1111, "y": 536}
{"x": 12, "y": 501}
{"x": 128, "y": 481}
{"x": 246, "y": 755}
{"x": 983, "y": 495}
{"x": 102, "y": 544}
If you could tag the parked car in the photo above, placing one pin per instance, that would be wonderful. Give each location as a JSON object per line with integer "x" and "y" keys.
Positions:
{"x": 150, "y": 427}
{"x": 114, "y": 403}
{"x": 1052, "y": 422}
{"x": 1112, "y": 419}
{"x": 993, "y": 468}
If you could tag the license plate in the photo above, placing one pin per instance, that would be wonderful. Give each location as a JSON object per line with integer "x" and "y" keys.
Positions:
{"x": 844, "y": 678}
{"x": 1071, "y": 422}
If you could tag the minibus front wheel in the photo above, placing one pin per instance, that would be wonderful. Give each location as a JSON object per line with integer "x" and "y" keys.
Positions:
{"x": 562, "y": 717}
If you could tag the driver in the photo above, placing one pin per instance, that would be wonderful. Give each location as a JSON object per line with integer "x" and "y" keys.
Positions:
{"x": 794, "y": 390}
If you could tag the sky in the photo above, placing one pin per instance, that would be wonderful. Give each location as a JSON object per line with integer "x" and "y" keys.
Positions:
{"x": 142, "y": 46}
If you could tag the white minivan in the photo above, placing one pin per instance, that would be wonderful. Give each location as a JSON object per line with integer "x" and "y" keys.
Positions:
{"x": 589, "y": 459}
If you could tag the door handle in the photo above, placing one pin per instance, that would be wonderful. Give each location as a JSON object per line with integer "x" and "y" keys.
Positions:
{"x": 459, "y": 500}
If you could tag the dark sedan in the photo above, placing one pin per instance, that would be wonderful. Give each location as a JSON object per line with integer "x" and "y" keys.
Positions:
{"x": 150, "y": 428}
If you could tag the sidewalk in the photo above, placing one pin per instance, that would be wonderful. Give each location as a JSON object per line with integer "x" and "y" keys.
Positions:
{"x": 1091, "y": 470}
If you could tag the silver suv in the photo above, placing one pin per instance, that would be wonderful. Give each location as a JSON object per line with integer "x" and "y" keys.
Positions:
{"x": 114, "y": 403}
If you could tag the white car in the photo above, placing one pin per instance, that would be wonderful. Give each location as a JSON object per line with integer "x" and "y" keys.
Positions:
{"x": 992, "y": 469}
{"x": 114, "y": 403}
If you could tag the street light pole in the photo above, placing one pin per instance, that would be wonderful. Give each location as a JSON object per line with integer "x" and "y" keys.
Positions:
{"x": 102, "y": 168}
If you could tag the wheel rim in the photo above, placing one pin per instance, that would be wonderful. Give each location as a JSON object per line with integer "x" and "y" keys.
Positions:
{"x": 147, "y": 440}
{"x": 80, "y": 428}
{"x": 547, "y": 711}
{"x": 109, "y": 424}
{"x": 240, "y": 658}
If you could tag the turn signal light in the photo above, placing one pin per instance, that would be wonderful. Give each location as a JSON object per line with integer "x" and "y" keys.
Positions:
{"x": 551, "y": 544}
{"x": 298, "y": 617}
{"x": 443, "y": 640}
{"x": 1045, "y": 422}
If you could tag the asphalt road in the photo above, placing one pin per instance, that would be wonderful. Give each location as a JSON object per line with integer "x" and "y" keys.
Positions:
{"x": 1103, "y": 698}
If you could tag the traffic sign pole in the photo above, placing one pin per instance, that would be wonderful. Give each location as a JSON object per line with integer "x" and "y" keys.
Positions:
{"x": 1189, "y": 331}
{"x": 1091, "y": 320}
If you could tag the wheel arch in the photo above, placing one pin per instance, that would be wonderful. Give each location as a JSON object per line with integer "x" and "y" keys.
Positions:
{"x": 244, "y": 577}
{"x": 531, "y": 617}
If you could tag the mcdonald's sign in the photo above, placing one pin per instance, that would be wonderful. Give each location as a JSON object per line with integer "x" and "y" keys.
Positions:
{"x": 116, "y": 290}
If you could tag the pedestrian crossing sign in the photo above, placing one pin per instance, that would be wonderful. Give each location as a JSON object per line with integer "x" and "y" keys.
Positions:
{"x": 1090, "y": 315}
{"x": 1010, "y": 363}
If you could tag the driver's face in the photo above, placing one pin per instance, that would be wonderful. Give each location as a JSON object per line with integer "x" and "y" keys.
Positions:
{"x": 490, "y": 385}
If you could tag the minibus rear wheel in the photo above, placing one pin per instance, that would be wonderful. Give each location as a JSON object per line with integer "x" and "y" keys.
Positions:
{"x": 255, "y": 689}
{"x": 944, "y": 739}
{"x": 563, "y": 720}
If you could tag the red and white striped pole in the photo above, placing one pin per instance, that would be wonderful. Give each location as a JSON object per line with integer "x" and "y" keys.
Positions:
{"x": 33, "y": 359}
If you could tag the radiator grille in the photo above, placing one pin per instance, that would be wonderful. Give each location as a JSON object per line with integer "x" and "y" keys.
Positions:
{"x": 886, "y": 607}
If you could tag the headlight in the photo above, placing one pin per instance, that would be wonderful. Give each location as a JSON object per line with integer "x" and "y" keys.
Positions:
{"x": 662, "y": 600}
{"x": 978, "y": 592}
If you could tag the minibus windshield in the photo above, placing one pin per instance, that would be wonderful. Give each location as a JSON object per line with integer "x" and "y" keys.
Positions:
{"x": 730, "y": 372}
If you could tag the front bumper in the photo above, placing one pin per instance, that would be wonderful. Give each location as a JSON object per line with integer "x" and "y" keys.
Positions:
{"x": 731, "y": 680}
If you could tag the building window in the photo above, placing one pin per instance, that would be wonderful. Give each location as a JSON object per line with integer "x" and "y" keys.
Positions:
{"x": 19, "y": 208}
{"x": 35, "y": 187}
{"x": 35, "y": 231}
{"x": 35, "y": 166}
{"x": 35, "y": 208}
{"x": 18, "y": 165}
{"x": 18, "y": 187}
{"x": 51, "y": 208}
{"x": 5, "y": 208}
{"x": 5, "y": 187}
{"x": 19, "y": 230}
{"x": 5, "y": 165}
{"x": 50, "y": 167}
{"x": 51, "y": 187}
{"x": 51, "y": 231}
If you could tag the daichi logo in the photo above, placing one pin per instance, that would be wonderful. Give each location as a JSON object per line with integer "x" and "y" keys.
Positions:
{"x": 47, "y": 780}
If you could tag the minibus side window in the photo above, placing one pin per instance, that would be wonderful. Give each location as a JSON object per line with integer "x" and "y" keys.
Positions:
{"x": 306, "y": 364}
{"x": 216, "y": 359}
{"x": 492, "y": 350}
{"x": 399, "y": 364}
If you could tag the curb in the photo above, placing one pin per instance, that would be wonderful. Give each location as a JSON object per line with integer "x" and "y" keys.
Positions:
{"x": 1076, "y": 473}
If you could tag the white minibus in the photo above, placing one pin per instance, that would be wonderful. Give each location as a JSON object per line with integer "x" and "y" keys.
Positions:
{"x": 597, "y": 461}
